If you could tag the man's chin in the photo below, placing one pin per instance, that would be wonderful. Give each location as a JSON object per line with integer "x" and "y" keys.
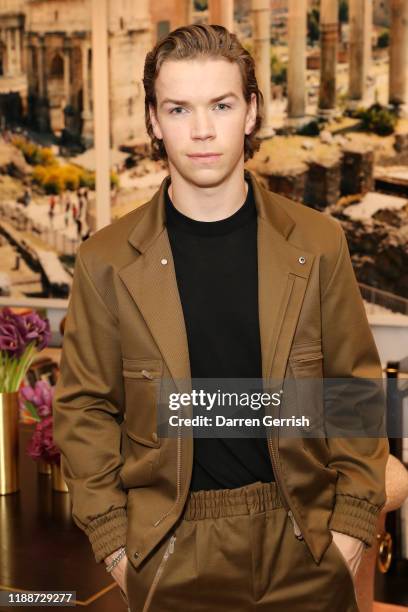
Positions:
{"x": 207, "y": 177}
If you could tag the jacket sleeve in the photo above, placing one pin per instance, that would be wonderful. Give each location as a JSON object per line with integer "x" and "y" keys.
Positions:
{"x": 88, "y": 409}
{"x": 349, "y": 351}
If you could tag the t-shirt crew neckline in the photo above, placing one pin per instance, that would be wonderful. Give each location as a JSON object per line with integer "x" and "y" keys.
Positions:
{"x": 241, "y": 217}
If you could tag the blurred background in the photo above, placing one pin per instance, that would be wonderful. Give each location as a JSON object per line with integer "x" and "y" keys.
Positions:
{"x": 75, "y": 156}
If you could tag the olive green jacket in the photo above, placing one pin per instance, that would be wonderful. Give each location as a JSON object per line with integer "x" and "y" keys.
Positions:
{"x": 125, "y": 332}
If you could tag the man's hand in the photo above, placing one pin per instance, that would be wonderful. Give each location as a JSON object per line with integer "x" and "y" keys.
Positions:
{"x": 119, "y": 570}
{"x": 351, "y": 548}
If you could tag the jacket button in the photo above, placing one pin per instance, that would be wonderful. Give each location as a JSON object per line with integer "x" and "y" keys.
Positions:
{"x": 154, "y": 437}
{"x": 136, "y": 554}
{"x": 302, "y": 259}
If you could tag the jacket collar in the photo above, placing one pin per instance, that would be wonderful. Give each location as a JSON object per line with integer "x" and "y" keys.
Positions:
{"x": 148, "y": 228}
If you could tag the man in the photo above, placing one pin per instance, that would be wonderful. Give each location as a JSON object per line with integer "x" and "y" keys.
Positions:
{"x": 214, "y": 277}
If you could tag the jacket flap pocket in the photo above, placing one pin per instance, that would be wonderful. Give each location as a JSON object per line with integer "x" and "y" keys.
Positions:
{"x": 142, "y": 379}
{"x": 309, "y": 351}
{"x": 142, "y": 368}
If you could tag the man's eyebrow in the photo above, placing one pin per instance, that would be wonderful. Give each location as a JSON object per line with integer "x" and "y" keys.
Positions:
{"x": 217, "y": 99}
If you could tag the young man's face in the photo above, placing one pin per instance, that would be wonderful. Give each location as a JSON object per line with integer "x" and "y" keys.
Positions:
{"x": 195, "y": 116}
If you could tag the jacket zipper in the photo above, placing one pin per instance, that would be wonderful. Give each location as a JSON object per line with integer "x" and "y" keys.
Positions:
{"x": 178, "y": 484}
{"x": 275, "y": 465}
{"x": 169, "y": 550}
{"x": 296, "y": 529}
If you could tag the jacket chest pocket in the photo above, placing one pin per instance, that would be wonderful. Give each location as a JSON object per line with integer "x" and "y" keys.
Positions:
{"x": 142, "y": 381}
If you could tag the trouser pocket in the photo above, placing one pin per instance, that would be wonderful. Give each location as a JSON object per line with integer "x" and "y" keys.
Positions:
{"x": 169, "y": 550}
{"x": 121, "y": 591}
{"x": 343, "y": 563}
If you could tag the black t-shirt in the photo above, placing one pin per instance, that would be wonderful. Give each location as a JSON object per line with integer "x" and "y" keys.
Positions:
{"x": 217, "y": 276}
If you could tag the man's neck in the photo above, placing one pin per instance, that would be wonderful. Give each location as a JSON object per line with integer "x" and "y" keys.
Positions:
{"x": 208, "y": 203}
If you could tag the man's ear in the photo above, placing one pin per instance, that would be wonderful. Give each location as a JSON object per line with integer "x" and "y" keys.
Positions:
{"x": 251, "y": 115}
{"x": 155, "y": 124}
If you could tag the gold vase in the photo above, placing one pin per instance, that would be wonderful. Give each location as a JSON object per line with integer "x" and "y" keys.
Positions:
{"x": 58, "y": 482}
{"x": 43, "y": 467}
{"x": 9, "y": 447}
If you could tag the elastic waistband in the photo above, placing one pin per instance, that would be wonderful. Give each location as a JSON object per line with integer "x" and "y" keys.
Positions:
{"x": 214, "y": 503}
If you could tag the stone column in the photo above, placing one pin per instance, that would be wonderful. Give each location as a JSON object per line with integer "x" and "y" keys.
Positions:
{"x": 297, "y": 61}
{"x": 42, "y": 86}
{"x": 24, "y": 52}
{"x": 10, "y": 54}
{"x": 19, "y": 67}
{"x": 85, "y": 74}
{"x": 87, "y": 131}
{"x": 67, "y": 72}
{"x": 100, "y": 212}
{"x": 31, "y": 52}
{"x": 260, "y": 10}
{"x": 398, "y": 87}
{"x": 328, "y": 57}
{"x": 183, "y": 13}
{"x": 360, "y": 12}
{"x": 42, "y": 107}
{"x": 221, "y": 12}
{"x": 3, "y": 44}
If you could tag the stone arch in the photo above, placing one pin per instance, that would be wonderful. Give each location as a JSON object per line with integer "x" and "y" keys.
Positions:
{"x": 80, "y": 99}
{"x": 3, "y": 58}
{"x": 56, "y": 92}
{"x": 57, "y": 67}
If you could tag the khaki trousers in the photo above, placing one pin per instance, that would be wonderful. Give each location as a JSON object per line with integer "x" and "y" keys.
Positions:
{"x": 234, "y": 550}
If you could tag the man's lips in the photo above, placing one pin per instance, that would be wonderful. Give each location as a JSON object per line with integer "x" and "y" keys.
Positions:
{"x": 204, "y": 155}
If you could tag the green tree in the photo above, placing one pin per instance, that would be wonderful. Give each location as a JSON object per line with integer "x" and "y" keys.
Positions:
{"x": 378, "y": 119}
{"x": 200, "y": 5}
{"x": 278, "y": 70}
{"x": 384, "y": 39}
{"x": 343, "y": 11}
{"x": 313, "y": 28}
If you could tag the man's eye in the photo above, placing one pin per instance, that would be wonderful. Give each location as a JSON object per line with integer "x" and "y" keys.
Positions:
{"x": 174, "y": 109}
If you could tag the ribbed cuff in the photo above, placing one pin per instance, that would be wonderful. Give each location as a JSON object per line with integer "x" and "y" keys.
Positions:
{"x": 355, "y": 517}
{"x": 107, "y": 533}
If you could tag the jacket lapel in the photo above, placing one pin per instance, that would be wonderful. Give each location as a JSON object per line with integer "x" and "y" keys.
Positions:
{"x": 153, "y": 286}
{"x": 282, "y": 282}
{"x": 151, "y": 281}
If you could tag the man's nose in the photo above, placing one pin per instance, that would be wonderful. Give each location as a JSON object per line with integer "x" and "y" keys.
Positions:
{"x": 202, "y": 126}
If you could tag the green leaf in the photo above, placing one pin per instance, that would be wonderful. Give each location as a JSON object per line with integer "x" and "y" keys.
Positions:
{"x": 32, "y": 410}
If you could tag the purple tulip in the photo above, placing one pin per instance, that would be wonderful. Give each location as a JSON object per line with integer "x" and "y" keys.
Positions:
{"x": 33, "y": 328}
{"x": 40, "y": 395}
{"x": 10, "y": 339}
{"x": 17, "y": 331}
{"x": 41, "y": 445}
